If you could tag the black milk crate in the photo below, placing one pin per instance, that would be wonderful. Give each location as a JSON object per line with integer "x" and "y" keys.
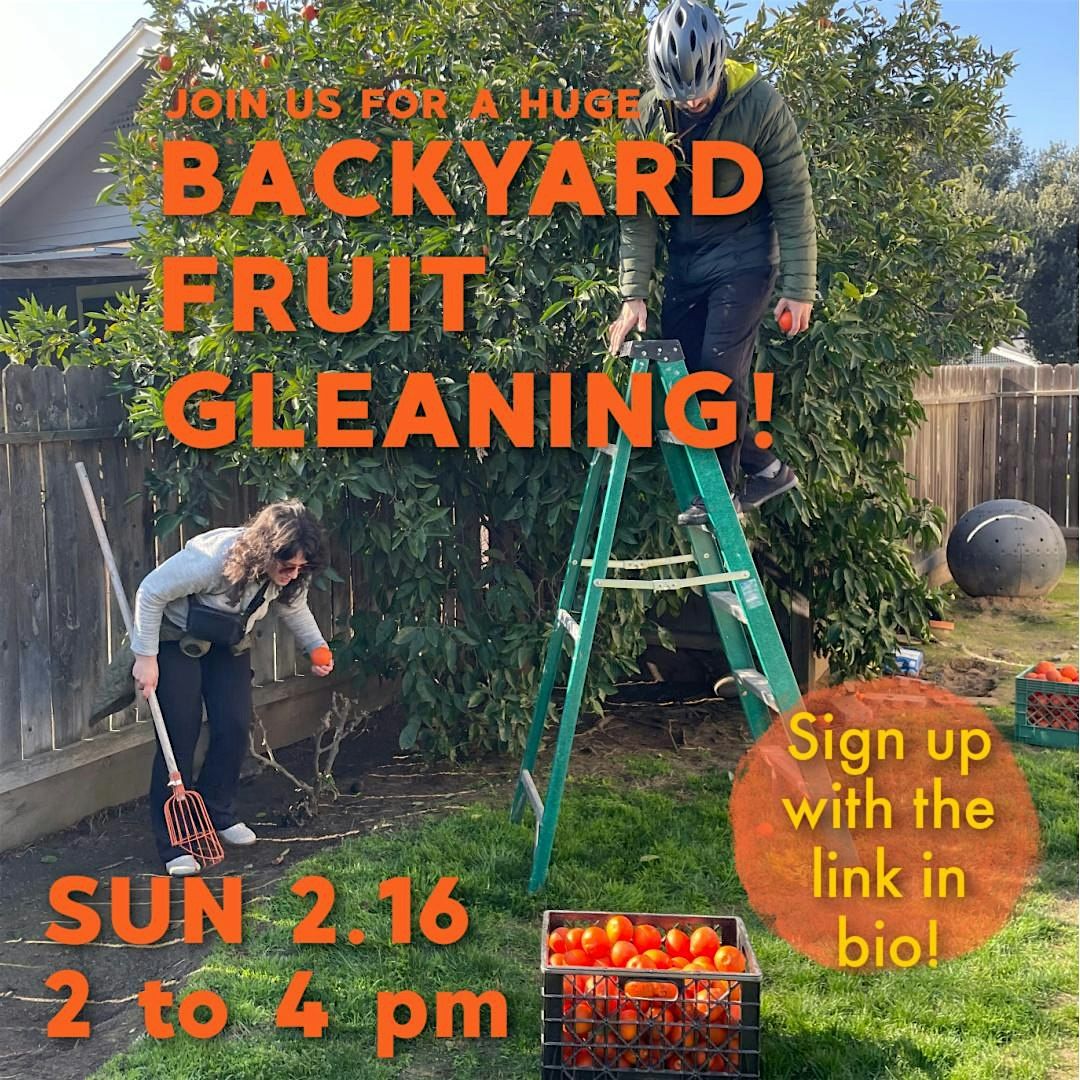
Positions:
{"x": 697, "y": 1025}
{"x": 1046, "y": 712}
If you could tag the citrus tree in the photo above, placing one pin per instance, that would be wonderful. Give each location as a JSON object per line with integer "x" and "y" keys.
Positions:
{"x": 464, "y": 550}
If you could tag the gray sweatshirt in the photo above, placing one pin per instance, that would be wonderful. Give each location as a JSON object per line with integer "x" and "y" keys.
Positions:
{"x": 198, "y": 569}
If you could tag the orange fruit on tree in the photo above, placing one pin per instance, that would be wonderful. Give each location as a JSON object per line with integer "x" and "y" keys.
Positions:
{"x": 622, "y": 952}
{"x": 677, "y": 943}
{"x": 619, "y": 928}
{"x": 646, "y": 937}
{"x": 728, "y": 958}
{"x": 704, "y": 941}
{"x": 595, "y": 942}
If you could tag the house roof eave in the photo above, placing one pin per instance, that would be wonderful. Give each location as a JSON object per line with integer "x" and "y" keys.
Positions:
{"x": 124, "y": 58}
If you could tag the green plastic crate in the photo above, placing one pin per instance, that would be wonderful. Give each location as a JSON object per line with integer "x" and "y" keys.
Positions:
{"x": 1047, "y": 713}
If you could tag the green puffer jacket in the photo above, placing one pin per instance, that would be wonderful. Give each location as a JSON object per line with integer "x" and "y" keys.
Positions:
{"x": 778, "y": 227}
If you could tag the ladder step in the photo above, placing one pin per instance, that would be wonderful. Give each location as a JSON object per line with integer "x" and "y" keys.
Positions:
{"x": 643, "y": 564}
{"x": 663, "y": 435}
{"x": 758, "y": 685}
{"x": 669, "y": 584}
{"x": 569, "y": 623}
{"x": 729, "y": 603}
{"x": 532, "y": 794}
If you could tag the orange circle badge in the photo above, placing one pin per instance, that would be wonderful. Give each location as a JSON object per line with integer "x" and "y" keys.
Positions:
{"x": 884, "y": 826}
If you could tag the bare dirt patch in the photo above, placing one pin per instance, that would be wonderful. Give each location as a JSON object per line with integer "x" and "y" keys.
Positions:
{"x": 969, "y": 678}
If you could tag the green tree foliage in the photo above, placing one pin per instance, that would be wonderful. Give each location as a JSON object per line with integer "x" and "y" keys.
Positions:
{"x": 1050, "y": 296}
{"x": 1033, "y": 199}
{"x": 902, "y": 281}
{"x": 35, "y": 334}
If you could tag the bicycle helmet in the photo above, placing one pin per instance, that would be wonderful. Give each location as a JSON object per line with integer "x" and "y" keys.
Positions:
{"x": 686, "y": 50}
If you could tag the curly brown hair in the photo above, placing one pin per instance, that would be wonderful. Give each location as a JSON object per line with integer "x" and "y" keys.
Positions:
{"x": 278, "y": 531}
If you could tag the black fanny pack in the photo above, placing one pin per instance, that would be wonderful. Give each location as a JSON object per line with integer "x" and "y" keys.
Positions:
{"x": 221, "y": 627}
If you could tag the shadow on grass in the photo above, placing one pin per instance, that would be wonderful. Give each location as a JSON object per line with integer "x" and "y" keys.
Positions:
{"x": 823, "y": 1055}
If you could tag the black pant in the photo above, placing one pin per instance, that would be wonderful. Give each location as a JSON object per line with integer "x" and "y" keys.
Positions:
{"x": 223, "y": 681}
{"x": 717, "y": 322}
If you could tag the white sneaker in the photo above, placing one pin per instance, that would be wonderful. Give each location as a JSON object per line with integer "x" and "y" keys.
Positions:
{"x": 239, "y": 835}
{"x": 182, "y": 866}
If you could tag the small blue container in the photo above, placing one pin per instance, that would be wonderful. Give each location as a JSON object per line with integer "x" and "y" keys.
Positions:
{"x": 908, "y": 661}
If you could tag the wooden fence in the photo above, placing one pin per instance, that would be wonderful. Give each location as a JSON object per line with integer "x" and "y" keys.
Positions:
{"x": 1006, "y": 432}
{"x": 59, "y": 624}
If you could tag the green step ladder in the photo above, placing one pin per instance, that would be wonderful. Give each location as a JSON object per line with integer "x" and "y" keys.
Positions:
{"x": 725, "y": 569}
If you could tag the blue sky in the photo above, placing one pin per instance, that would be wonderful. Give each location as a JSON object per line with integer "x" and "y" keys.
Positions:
{"x": 45, "y": 54}
{"x": 1042, "y": 94}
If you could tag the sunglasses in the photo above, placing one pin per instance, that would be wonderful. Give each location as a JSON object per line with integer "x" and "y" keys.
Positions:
{"x": 285, "y": 564}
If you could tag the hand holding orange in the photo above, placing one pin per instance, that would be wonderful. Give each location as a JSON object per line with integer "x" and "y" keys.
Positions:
{"x": 322, "y": 656}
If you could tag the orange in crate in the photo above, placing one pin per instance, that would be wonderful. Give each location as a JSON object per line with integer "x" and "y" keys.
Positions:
{"x": 698, "y": 1018}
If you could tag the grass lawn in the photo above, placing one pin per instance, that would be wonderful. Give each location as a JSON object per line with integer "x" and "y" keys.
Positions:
{"x": 1007, "y": 1010}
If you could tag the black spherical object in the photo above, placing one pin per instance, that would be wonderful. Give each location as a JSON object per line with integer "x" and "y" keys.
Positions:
{"x": 1006, "y": 547}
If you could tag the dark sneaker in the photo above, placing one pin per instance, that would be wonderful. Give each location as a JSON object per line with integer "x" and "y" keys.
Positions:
{"x": 695, "y": 513}
{"x": 760, "y": 489}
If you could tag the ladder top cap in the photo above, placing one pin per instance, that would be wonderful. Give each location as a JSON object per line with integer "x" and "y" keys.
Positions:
{"x": 663, "y": 351}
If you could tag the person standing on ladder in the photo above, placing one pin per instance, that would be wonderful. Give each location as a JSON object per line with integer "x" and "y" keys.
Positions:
{"x": 721, "y": 269}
